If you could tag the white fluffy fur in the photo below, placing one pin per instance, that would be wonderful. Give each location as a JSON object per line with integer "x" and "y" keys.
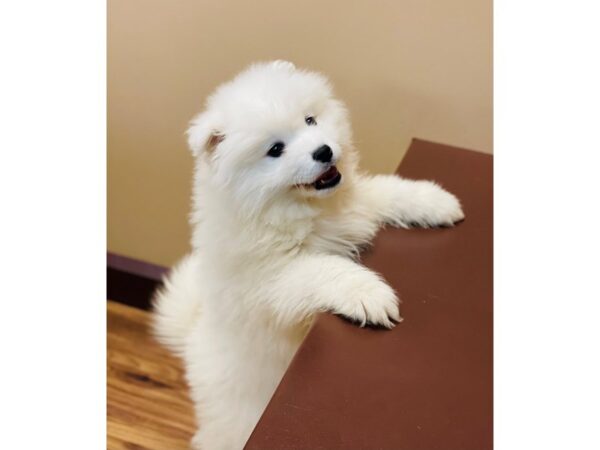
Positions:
{"x": 268, "y": 254}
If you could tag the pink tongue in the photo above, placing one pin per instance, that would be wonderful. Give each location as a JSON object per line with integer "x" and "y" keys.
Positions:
{"x": 329, "y": 174}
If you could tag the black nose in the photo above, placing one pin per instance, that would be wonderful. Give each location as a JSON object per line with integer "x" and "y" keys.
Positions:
{"x": 323, "y": 154}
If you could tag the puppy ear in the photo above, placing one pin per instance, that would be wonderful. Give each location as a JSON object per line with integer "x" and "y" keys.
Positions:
{"x": 203, "y": 134}
{"x": 282, "y": 64}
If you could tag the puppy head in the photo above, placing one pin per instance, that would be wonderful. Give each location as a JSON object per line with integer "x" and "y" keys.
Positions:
{"x": 274, "y": 133}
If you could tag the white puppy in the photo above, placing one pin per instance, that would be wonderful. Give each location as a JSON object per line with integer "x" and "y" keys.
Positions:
{"x": 279, "y": 213}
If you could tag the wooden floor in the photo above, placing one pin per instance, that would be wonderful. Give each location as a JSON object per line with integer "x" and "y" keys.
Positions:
{"x": 147, "y": 405}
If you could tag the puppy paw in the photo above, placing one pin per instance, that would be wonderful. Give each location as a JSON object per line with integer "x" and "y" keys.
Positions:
{"x": 370, "y": 301}
{"x": 434, "y": 207}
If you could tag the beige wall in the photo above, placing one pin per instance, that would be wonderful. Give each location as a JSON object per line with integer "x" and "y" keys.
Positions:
{"x": 405, "y": 68}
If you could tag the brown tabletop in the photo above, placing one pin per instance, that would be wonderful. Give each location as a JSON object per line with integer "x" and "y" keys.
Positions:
{"x": 427, "y": 384}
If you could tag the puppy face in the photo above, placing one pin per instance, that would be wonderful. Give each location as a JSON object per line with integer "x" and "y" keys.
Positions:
{"x": 274, "y": 132}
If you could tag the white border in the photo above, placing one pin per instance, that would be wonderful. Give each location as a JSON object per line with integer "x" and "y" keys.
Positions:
{"x": 52, "y": 188}
{"x": 547, "y": 198}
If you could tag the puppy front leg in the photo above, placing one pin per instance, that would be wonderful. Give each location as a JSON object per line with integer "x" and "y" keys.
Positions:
{"x": 404, "y": 203}
{"x": 313, "y": 283}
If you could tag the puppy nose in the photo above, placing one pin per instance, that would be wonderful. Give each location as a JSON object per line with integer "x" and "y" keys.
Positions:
{"x": 323, "y": 154}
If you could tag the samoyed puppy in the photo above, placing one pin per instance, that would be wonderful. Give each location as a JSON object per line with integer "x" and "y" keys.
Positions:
{"x": 280, "y": 210}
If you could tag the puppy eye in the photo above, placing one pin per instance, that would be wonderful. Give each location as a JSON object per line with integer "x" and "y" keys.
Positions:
{"x": 276, "y": 150}
{"x": 310, "y": 120}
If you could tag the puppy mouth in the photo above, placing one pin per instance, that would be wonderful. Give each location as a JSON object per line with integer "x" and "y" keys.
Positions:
{"x": 328, "y": 179}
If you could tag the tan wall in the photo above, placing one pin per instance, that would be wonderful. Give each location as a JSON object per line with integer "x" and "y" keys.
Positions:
{"x": 405, "y": 68}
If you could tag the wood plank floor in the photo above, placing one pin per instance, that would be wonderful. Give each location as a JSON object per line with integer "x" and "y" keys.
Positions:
{"x": 147, "y": 400}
